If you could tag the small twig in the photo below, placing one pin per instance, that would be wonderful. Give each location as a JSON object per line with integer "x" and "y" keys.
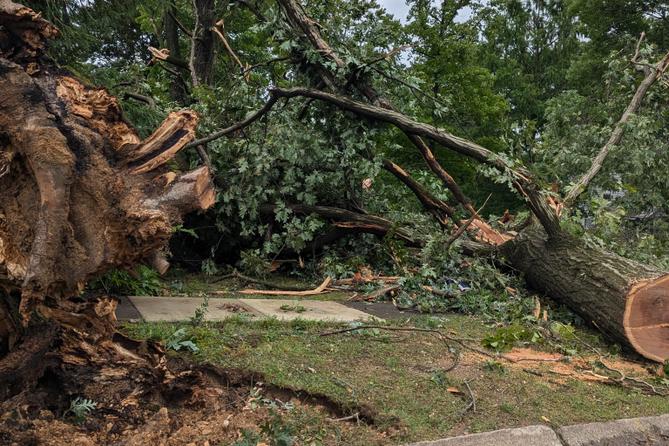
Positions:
{"x": 267, "y": 62}
{"x": 240, "y": 125}
{"x": 623, "y": 378}
{"x": 444, "y": 337}
{"x": 236, "y": 274}
{"x": 355, "y": 416}
{"x": 411, "y": 87}
{"x": 180, "y": 25}
{"x": 472, "y": 403}
{"x": 385, "y": 56}
{"x": 223, "y": 277}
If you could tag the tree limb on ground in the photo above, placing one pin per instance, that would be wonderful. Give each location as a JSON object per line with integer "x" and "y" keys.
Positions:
{"x": 318, "y": 290}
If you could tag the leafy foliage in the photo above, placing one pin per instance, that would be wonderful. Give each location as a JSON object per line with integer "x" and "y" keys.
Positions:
{"x": 80, "y": 408}
{"x": 507, "y": 337}
{"x": 144, "y": 281}
{"x": 181, "y": 340}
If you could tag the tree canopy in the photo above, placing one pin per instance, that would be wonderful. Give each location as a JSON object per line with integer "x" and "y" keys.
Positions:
{"x": 540, "y": 82}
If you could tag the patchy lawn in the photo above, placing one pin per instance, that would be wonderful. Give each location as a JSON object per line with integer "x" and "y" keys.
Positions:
{"x": 397, "y": 381}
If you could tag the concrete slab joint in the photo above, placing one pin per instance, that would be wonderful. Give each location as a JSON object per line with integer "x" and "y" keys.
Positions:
{"x": 627, "y": 432}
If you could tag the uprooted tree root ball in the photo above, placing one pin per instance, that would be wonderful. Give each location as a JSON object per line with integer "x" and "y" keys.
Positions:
{"x": 80, "y": 193}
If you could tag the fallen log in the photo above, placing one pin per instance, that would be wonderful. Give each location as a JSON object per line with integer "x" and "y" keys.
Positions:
{"x": 626, "y": 300}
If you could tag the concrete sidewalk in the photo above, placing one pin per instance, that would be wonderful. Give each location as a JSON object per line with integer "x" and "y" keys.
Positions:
{"x": 175, "y": 309}
{"x": 628, "y": 432}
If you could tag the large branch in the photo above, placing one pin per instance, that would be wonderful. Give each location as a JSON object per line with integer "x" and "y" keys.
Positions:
{"x": 349, "y": 220}
{"x": 521, "y": 178}
{"x": 616, "y": 136}
{"x": 403, "y": 122}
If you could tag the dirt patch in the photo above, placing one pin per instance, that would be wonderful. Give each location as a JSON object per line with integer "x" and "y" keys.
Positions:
{"x": 209, "y": 406}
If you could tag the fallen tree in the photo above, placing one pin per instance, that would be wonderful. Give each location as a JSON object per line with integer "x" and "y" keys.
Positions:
{"x": 80, "y": 193}
{"x": 626, "y": 300}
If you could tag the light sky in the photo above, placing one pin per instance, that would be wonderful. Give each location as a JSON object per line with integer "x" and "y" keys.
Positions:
{"x": 400, "y": 9}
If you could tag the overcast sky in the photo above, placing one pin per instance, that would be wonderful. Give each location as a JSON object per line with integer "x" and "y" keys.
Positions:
{"x": 398, "y": 8}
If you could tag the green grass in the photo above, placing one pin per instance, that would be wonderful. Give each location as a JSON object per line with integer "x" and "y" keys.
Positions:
{"x": 398, "y": 374}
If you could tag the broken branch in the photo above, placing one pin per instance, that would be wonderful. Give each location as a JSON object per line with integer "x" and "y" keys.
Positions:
{"x": 320, "y": 289}
{"x": 228, "y": 48}
{"x": 238, "y": 126}
{"x": 164, "y": 55}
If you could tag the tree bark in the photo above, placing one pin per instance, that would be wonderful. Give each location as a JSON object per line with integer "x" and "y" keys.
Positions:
{"x": 626, "y": 300}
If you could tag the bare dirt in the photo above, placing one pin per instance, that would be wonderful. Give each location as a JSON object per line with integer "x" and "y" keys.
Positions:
{"x": 217, "y": 408}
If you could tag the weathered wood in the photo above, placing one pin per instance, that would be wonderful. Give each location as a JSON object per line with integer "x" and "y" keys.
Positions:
{"x": 626, "y": 300}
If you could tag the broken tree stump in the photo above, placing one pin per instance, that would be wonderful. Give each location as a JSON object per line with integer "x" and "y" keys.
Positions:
{"x": 80, "y": 193}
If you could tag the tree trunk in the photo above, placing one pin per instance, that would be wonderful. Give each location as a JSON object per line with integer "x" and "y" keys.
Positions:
{"x": 80, "y": 194}
{"x": 178, "y": 91}
{"x": 202, "y": 47}
{"x": 627, "y": 301}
